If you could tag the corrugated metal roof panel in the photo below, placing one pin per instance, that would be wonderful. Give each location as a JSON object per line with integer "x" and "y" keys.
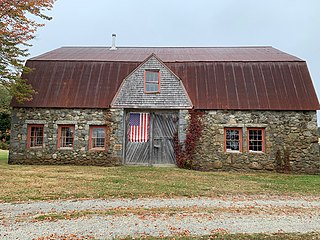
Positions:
{"x": 167, "y": 54}
{"x": 268, "y": 83}
{"x": 244, "y": 86}
{"x": 75, "y": 84}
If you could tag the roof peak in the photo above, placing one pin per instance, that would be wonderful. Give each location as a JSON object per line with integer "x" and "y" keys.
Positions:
{"x": 169, "y": 54}
{"x": 169, "y": 47}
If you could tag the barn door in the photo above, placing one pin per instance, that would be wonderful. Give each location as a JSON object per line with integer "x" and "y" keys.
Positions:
{"x": 150, "y": 138}
{"x": 138, "y": 138}
{"x": 164, "y": 129}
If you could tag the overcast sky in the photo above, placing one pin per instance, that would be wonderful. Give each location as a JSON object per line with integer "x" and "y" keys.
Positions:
{"x": 289, "y": 25}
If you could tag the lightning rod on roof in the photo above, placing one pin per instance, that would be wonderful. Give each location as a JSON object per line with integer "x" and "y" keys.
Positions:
{"x": 113, "y": 46}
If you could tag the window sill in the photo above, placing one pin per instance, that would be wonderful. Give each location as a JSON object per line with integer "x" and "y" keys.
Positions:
{"x": 232, "y": 151}
{"x": 151, "y": 92}
{"x": 97, "y": 149}
{"x": 35, "y": 148}
{"x": 257, "y": 152}
{"x": 65, "y": 148}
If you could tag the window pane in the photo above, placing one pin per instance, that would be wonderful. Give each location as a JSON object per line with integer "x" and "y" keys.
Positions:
{"x": 256, "y": 140}
{"x": 232, "y": 141}
{"x": 66, "y": 138}
{"x": 36, "y": 136}
{"x": 152, "y": 76}
{"x": 151, "y": 87}
{"x": 98, "y": 137}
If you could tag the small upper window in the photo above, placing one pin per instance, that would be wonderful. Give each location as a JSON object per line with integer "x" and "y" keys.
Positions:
{"x": 97, "y": 138}
{"x": 152, "y": 81}
{"x": 233, "y": 139}
{"x": 65, "y": 136}
{"x": 35, "y": 136}
{"x": 256, "y": 139}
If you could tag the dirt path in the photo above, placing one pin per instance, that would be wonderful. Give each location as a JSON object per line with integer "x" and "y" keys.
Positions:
{"x": 106, "y": 219}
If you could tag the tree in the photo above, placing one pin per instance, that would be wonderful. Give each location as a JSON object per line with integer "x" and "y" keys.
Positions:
{"x": 5, "y": 99}
{"x": 16, "y": 30}
{"x": 5, "y": 117}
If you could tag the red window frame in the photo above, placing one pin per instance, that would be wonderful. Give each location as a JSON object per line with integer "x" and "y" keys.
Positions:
{"x": 60, "y": 127}
{"x": 32, "y": 143}
{"x": 151, "y": 82}
{"x": 232, "y": 140}
{"x": 91, "y": 137}
{"x": 262, "y": 140}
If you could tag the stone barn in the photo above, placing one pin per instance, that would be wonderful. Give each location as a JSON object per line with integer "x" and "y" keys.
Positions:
{"x": 113, "y": 106}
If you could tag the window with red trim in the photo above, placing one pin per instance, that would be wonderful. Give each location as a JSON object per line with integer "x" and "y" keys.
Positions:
{"x": 256, "y": 139}
{"x": 35, "y": 136}
{"x": 233, "y": 139}
{"x": 97, "y": 139}
{"x": 152, "y": 81}
{"x": 65, "y": 136}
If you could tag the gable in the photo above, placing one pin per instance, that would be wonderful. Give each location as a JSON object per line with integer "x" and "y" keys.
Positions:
{"x": 134, "y": 92}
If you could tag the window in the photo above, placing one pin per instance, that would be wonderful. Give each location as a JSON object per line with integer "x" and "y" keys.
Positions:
{"x": 152, "y": 81}
{"x": 35, "y": 136}
{"x": 256, "y": 139}
{"x": 65, "y": 136}
{"x": 97, "y": 137}
{"x": 233, "y": 139}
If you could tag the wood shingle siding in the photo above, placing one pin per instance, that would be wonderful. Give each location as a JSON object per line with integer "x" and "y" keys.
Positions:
{"x": 171, "y": 93}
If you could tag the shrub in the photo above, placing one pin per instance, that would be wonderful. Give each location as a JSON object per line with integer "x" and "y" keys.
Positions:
{"x": 184, "y": 153}
{"x": 4, "y": 146}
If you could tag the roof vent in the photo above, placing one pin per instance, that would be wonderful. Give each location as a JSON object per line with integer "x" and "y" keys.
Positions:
{"x": 113, "y": 47}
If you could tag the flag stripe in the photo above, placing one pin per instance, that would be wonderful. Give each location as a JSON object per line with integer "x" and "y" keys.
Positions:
{"x": 139, "y": 127}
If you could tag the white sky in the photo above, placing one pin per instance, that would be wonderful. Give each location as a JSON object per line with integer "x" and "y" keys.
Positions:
{"x": 289, "y": 25}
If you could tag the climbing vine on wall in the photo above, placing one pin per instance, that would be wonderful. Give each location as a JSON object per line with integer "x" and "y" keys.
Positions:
{"x": 185, "y": 152}
{"x": 283, "y": 162}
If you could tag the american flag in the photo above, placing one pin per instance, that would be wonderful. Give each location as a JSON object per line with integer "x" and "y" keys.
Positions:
{"x": 139, "y": 127}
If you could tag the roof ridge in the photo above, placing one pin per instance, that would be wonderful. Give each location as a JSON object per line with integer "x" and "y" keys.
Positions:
{"x": 107, "y": 47}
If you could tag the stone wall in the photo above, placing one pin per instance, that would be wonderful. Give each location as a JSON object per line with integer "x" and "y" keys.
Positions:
{"x": 291, "y": 134}
{"x": 80, "y": 154}
{"x": 288, "y": 134}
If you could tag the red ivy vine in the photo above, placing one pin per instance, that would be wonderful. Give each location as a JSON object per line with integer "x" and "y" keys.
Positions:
{"x": 184, "y": 153}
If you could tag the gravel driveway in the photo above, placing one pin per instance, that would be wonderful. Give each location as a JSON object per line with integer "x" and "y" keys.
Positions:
{"x": 106, "y": 219}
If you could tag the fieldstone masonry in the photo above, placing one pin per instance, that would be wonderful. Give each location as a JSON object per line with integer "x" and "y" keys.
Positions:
{"x": 294, "y": 132}
{"x": 80, "y": 154}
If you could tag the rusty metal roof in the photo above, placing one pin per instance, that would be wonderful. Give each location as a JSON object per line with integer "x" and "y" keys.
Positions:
{"x": 167, "y": 54}
{"x": 260, "y": 78}
{"x": 254, "y": 85}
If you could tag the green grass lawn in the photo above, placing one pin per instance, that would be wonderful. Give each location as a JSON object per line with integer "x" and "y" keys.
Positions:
{"x": 31, "y": 182}
{"x": 3, "y": 156}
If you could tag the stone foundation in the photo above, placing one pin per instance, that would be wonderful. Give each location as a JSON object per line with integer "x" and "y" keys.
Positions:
{"x": 288, "y": 134}
{"x": 80, "y": 154}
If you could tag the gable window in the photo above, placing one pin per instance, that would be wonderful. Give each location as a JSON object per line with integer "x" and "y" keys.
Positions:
{"x": 152, "y": 81}
{"x": 66, "y": 136}
{"x": 256, "y": 139}
{"x": 97, "y": 137}
{"x": 233, "y": 139}
{"x": 35, "y": 136}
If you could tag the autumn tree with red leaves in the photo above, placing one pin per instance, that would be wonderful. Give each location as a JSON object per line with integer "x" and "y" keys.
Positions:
{"x": 17, "y": 28}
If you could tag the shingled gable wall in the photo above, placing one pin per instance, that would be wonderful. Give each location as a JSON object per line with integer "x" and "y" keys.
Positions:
{"x": 172, "y": 93}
